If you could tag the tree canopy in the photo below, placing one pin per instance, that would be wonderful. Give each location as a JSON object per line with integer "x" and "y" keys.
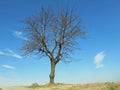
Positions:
{"x": 53, "y": 34}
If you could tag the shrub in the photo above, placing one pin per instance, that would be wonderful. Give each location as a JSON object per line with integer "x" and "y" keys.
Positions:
{"x": 112, "y": 88}
{"x": 35, "y": 84}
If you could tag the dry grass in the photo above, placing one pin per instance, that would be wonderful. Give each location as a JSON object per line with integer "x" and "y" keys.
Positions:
{"x": 91, "y": 86}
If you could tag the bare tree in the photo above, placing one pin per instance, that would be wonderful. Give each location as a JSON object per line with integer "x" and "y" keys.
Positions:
{"x": 53, "y": 34}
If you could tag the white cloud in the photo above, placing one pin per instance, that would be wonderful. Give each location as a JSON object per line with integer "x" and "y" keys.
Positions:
{"x": 8, "y": 67}
{"x": 11, "y": 53}
{"x": 2, "y": 53}
{"x": 20, "y": 35}
{"x": 98, "y": 59}
{"x": 17, "y": 56}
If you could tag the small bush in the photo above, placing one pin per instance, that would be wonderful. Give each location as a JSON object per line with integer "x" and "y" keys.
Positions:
{"x": 35, "y": 84}
{"x": 112, "y": 88}
{"x": 1, "y": 89}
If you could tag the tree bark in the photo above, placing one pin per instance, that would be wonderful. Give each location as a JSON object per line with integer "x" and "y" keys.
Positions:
{"x": 52, "y": 73}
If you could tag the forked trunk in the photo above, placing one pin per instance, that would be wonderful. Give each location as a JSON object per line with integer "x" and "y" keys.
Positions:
{"x": 52, "y": 73}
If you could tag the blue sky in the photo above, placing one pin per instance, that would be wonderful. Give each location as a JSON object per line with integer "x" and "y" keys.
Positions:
{"x": 99, "y": 54}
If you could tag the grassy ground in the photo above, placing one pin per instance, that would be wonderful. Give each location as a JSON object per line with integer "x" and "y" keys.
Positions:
{"x": 91, "y": 86}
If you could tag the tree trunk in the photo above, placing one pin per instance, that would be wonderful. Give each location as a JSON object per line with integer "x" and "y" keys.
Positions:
{"x": 52, "y": 73}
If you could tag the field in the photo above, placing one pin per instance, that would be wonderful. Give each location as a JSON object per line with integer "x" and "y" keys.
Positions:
{"x": 91, "y": 86}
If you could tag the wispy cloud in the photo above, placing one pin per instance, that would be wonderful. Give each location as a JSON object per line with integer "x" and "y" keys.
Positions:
{"x": 19, "y": 34}
{"x": 10, "y": 53}
{"x": 98, "y": 59}
{"x": 8, "y": 67}
{"x": 13, "y": 54}
{"x": 2, "y": 53}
